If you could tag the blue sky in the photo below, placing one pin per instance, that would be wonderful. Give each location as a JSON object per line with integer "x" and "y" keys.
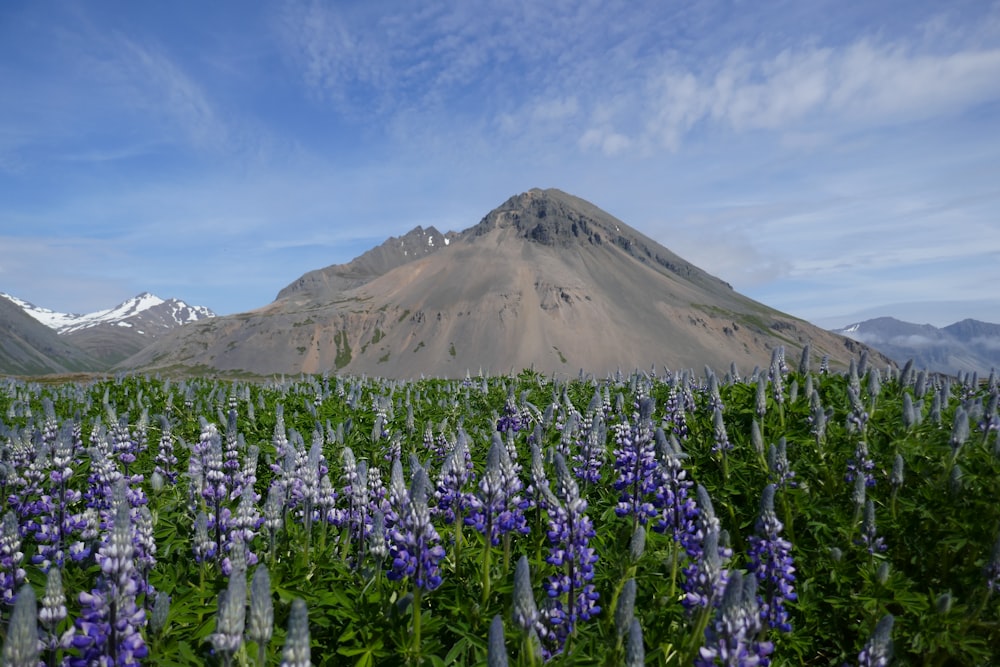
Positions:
{"x": 831, "y": 159}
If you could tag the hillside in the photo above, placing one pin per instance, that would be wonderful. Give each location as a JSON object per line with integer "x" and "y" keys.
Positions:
{"x": 28, "y": 347}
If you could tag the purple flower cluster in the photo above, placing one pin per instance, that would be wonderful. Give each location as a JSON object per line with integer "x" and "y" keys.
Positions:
{"x": 771, "y": 562}
{"x": 877, "y": 651}
{"x": 455, "y": 473}
{"x": 732, "y": 638}
{"x": 677, "y": 510}
{"x": 414, "y": 544}
{"x": 635, "y": 462}
{"x": 109, "y": 625}
{"x": 869, "y": 533}
{"x": 705, "y": 576}
{"x": 777, "y": 465}
{"x": 861, "y": 464}
{"x": 497, "y": 508}
{"x": 571, "y": 592}
{"x": 11, "y": 573}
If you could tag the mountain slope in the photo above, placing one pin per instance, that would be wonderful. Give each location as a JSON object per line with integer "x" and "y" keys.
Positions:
{"x": 546, "y": 280}
{"x": 966, "y": 346}
{"x": 28, "y": 347}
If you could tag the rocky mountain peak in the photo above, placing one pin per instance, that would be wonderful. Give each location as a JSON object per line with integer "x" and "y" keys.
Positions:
{"x": 550, "y": 217}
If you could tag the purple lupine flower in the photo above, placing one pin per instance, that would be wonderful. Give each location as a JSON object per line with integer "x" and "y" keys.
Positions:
{"x": 678, "y": 512}
{"x": 777, "y": 465}
{"x": 56, "y": 520}
{"x": 11, "y": 573}
{"x": 524, "y": 611}
{"x": 705, "y": 577}
{"x": 857, "y": 418}
{"x": 274, "y": 515}
{"x": 494, "y": 511}
{"x": 714, "y": 399}
{"x": 771, "y": 562}
{"x": 415, "y": 547}
{"x": 205, "y": 548}
{"x": 231, "y": 455}
{"x": 539, "y": 491}
{"x": 53, "y": 611}
{"x": 103, "y": 473}
{"x": 511, "y": 419}
{"x": 877, "y": 651}
{"x": 592, "y": 450}
{"x": 675, "y": 413}
{"x": 455, "y": 473}
{"x": 571, "y": 590}
{"x": 166, "y": 460}
{"x": 869, "y": 533}
{"x": 230, "y": 618}
{"x": 635, "y": 461}
{"x": 760, "y": 397}
{"x": 108, "y": 628}
{"x": 731, "y": 639}
{"x": 720, "y": 439}
{"x": 861, "y": 464}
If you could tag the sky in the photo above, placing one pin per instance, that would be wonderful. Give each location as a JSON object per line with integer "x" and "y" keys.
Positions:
{"x": 833, "y": 160}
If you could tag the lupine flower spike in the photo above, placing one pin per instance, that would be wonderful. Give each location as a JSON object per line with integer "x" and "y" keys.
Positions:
{"x": 21, "y": 648}
{"x": 635, "y": 651}
{"x": 260, "y": 624}
{"x": 297, "y": 652}
{"x": 771, "y": 563}
{"x": 877, "y": 651}
{"x": 497, "y": 650}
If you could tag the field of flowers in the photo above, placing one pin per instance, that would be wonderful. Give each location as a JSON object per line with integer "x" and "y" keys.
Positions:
{"x": 792, "y": 515}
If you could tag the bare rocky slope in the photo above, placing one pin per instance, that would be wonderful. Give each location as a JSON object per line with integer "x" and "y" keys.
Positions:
{"x": 28, "y": 347}
{"x": 545, "y": 281}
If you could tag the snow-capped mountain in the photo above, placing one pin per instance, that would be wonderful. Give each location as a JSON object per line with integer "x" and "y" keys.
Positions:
{"x": 116, "y": 333}
{"x": 966, "y": 346}
{"x": 145, "y": 311}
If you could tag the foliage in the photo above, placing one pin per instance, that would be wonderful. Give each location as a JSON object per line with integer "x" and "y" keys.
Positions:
{"x": 401, "y": 509}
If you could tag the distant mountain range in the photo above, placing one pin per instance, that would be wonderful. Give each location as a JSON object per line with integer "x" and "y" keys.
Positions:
{"x": 39, "y": 340}
{"x": 545, "y": 281}
{"x": 962, "y": 347}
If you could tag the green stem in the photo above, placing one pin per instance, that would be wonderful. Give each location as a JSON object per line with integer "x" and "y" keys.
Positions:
{"x": 674, "y": 565}
{"x": 416, "y": 623}
{"x": 487, "y": 553}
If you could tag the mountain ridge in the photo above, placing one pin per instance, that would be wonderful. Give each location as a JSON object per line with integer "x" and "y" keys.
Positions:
{"x": 545, "y": 280}
{"x": 965, "y": 346}
{"x": 99, "y": 339}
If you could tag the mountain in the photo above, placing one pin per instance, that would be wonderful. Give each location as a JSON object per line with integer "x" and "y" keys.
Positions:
{"x": 546, "y": 280}
{"x": 28, "y": 347}
{"x": 962, "y": 347}
{"x": 109, "y": 336}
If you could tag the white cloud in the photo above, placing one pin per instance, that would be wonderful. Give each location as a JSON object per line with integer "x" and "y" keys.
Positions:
{"x": 866, "y": 83}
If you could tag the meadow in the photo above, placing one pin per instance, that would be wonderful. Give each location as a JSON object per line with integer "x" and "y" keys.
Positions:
{"x": 788, "y": 515}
